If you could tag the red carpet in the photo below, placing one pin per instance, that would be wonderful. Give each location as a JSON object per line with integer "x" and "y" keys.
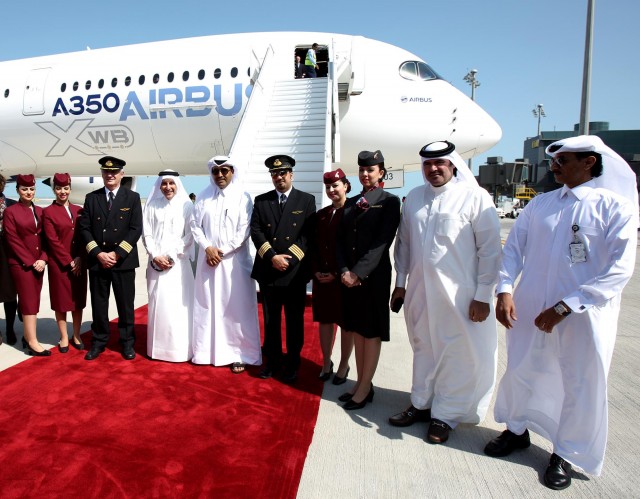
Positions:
{"x": 113, "y": 429}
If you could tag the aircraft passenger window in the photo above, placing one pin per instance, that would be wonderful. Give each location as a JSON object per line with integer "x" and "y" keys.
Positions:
{"x": 156, "y": 78}
{"x": 217, "y": 73}
{"x": 63, "y": 87}
{"x": 185, "y": 76}
{"x": 248, "y": 71}
{"x": 87, "y": 85}
{"x": 6, "y": 93}
{"x": 75, "y": 85}
{"x": 201, "y": 74}
{"x": 127, "y": 81}
{"x": 141, "y": 80}
{"x": 234, "y": 72}
{"x": 101, "y": 83}
{"x": 170, "y": 77}
{"x": 114, "y": 82}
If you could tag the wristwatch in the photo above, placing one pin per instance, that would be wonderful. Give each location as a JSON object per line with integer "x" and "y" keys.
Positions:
{"x": 561, "y": 309}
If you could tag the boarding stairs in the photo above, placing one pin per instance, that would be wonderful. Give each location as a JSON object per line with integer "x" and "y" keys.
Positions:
{"x": 287, "y": 116}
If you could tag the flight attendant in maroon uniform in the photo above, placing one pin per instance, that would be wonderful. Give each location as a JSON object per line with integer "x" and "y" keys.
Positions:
{"x": 27, "y": 259}
{"x": 67, "y": 270}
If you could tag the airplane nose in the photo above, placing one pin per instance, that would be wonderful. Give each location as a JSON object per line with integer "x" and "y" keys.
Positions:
{"x": 490, "y": 134}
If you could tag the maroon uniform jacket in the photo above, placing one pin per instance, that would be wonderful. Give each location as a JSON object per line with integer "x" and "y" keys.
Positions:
{"x": 24, "y": 247}
{"x": 67, "y": 291}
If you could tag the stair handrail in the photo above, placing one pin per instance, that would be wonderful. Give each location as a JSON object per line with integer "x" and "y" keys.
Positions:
{"x": 240, "y": 151}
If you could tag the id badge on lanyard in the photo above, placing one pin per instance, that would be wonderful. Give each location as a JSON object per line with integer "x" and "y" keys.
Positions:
{"x": 577, "y": 250}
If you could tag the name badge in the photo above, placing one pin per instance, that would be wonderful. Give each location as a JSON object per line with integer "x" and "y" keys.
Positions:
{"x": 577, "y": 250}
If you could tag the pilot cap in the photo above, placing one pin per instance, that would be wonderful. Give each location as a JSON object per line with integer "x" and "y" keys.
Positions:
{"x": 111, "y": 164}
{"x": 368, "y": 158}
{"x": 26, "y": 180}
{"x": 62, "y": 179}
{"x": 279, "y": 162}
{"x": 440, "y": 149}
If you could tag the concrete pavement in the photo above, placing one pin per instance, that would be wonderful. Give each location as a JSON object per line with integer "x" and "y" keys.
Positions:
{"x": 358, "y": 454}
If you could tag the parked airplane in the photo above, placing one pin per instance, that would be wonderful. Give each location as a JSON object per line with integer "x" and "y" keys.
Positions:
{"x": 174, "y": 104}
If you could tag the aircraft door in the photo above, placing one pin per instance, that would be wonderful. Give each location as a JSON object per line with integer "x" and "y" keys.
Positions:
{"x": 33, "y": 101}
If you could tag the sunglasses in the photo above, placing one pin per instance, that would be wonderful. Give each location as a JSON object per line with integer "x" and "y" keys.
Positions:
{"x": 278, "y": 173}
{"x": 222, "y": 171}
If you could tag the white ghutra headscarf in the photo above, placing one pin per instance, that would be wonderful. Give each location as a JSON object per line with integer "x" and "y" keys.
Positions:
{"x": 617, "y": 175}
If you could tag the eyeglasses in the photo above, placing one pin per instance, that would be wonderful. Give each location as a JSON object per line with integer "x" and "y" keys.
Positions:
{"x": 278, "y": 173}
{"x": 222, "y": 171}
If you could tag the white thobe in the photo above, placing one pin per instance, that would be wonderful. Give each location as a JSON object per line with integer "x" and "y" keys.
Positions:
{"x": 225, "y": 315}
{"x": 448, "y": 245}
{"x": 166, "y": 233}
{"x": 556, "y": 384}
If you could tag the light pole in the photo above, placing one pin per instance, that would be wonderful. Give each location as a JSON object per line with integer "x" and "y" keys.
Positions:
{"x": 470, "y": 78}
{"x": 538, "y": 112}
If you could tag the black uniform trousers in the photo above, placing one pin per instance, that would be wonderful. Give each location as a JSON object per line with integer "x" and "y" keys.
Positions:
{"x": 100, "y": 283}
{"x": 292, "y": 298}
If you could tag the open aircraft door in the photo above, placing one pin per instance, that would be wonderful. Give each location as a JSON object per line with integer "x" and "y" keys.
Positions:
{"x": 33, "y": 101}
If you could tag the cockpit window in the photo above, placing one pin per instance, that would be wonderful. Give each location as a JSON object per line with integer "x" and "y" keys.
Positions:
{"x": 418, "y": 70}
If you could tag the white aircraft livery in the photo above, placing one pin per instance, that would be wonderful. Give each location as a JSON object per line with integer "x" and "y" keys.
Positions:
{"x": 174, "y": 104}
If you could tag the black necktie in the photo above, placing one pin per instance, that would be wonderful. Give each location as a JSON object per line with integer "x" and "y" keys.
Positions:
{"x": 110, "y": 203}
{"x": 283, "y": 200}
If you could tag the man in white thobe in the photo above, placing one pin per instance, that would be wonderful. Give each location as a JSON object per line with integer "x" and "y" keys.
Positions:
{"x": 169, "y": 244}
{"x": 225, "y": 314}
{"x": 448, "y": 245}
{"x": 574, "y": 249}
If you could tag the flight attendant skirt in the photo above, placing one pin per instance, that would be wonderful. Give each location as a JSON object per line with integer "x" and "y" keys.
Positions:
{"x": 28, "y": 284}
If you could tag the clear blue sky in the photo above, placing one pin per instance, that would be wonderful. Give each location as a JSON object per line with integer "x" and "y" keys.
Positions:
{"x": 526, "y": 52}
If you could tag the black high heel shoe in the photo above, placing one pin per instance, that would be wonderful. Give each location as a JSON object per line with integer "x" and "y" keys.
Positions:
{"x": 352, "y": 404}
{"x": 337, "y": 380}
{"x": 345, "y": 397}
{"x": 325, "y": 376}
{"x": 63, "y": 349}
{"x": 77, "y": 346}
{"x": 44, "y": 353}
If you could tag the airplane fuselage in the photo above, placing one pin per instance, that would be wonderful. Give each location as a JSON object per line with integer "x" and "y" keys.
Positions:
{"x": 174, "y": 104}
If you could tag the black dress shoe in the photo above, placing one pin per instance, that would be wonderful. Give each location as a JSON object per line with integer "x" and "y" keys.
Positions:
{"x": 557, "y": 476}
{"x": 128, "y": 353}
{"x": 290, "y": 376}
{"x": 44, "y": 353}
{"x": 325, "y": 376}
{"x": 505, "y": 443}
{"x": 351, "y": 404}
{"x": 11, "y": 338}
{"x": 410, "y": 416}
{"x": 337, "y": 380}
{"x": 266, "y": 372}
{"x": 77, "y": 346}
{"x": 63, "y": 349}
{"x": 438, "y": 432}
{"x": 346, "y": 396}
{"x": 94, "y": 353}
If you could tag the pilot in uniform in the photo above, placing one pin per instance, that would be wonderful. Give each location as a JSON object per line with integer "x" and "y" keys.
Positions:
{"x": 281, "y": 230}
{"x": 110, "y": 228}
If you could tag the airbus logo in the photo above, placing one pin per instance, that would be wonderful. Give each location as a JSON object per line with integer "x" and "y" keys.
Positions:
{"x": 405, "y": 99}
{"x": 87, "y": 139}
